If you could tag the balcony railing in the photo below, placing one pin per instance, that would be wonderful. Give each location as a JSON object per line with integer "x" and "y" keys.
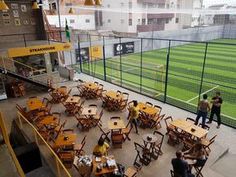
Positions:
{"x": 152, "y": 1}
{"x": 151, "y": 27}
{"x": 155, "y": 16}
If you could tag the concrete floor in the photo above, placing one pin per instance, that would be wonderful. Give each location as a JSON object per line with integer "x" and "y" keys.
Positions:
{"x": 161, "y": 167}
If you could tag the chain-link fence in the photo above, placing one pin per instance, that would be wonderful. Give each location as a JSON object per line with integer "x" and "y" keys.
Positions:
{"x": 176, "y": 72}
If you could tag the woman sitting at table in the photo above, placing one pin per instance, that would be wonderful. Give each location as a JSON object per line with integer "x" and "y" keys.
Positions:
{"x": 101, "y": 149}
{"x": 197, "y": 153}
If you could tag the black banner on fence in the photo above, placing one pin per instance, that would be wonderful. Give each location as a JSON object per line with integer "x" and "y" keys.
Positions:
{"x": 123, "y": 48}
{"x": 84, "y": 53}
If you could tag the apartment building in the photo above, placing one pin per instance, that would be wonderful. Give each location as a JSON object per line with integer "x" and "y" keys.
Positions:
{"x": 79, "y": 19}
{"x": 123, "y": 20}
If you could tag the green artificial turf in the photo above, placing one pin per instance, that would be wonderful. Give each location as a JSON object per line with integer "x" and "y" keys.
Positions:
{"x": 184, "y": 76}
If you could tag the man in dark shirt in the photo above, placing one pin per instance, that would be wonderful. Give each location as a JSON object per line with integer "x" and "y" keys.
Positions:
{"x": 216, "y": 108}
{"x": 180, "y": 166}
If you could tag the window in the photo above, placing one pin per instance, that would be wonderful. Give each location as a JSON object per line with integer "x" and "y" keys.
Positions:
{"x": 72, "y": 21}
{"x": 139, "y": 21}
{"x": 167, "y": 6}
{"x": 150, "y": 21}
{"x": 121, "y": 4}
{"x": 130, "y": 5}
{"x": 167, "y": 20}
{"x": 130, "y": 22}
{"x": 68, "y": 4}
{"x": 109, "y": 21}
{"x": 108, "y": 5}
{"x": 87, "y": 21}
{"x": 122, "y": 21}
{"x": 177, "y": 20}
{"x": 54, "y": 6}
{"x": 143, "y": 21}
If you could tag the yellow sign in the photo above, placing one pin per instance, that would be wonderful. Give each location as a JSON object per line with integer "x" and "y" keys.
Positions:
{"x": 39, "y": 49}
{"x": 95, "y": 52}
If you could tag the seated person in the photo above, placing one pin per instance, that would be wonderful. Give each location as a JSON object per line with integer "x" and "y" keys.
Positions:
{"x": 197, "y": 153}
{"x": 101, "y": 149}
{"x": 180, "y": 166}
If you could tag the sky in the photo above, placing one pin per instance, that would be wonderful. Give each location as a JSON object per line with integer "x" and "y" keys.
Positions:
{"x": 211, "y": 2}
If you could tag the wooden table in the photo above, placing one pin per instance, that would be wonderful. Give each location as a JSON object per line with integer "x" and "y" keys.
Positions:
{"x": 34, "y": 104}
{"x": 112, "y": 94}
{"x": 61, "y": 90}
{"x": 188, "y": 127}
{"x": 73, "y": 99}
{"x": 119, "y": 124}
{"x": 49, "y": 120}
{"x": 104, "y": 169}
{"x": 89, "y": 111}
{"x": 91, "y": 85}
{"x": 149, "y": 110}
{"x": 147, "y": 136}
{"x": 61, "y": 141}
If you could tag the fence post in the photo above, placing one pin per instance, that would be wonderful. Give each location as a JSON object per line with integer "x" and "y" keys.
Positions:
{"x": 141, "y": 65}
{"x": 203, "y": 70}
{"x": 90, "y": 56}
{"x": 24, "y": 39}
{"x": 167, "y": 70}
{"x": 104, "y": 59}
{"x": 120, "y": 62}
{"x": 80, "y": 62}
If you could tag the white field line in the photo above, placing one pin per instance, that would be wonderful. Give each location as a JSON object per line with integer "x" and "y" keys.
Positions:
{"x": 202, "y": 93}
{"x": 180, "y": 100}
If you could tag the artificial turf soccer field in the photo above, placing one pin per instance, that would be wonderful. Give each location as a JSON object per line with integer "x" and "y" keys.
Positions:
{"x": 185, "y": 70}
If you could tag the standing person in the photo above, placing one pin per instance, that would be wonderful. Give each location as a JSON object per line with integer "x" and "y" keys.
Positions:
{"x": 133, "y": 115}
{"x": 216, "y": 109}
{"x": 203, "y": 108}
{"x": 180, "y": 166}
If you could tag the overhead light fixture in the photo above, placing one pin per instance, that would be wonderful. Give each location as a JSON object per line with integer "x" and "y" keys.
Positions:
{"x": 98, "y": 3}
{"x": 88, "y": 3}
{"x": 35, "y": 5}
{"x": 71, "y": 11}
{"x": 3, "y": 5}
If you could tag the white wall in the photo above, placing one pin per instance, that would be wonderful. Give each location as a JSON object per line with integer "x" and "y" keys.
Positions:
{"x": 79, "y": 21}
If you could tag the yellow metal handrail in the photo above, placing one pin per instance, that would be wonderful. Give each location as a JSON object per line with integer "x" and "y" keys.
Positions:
{"x": 7, "y": 141}
{"x": 20, "y": 116}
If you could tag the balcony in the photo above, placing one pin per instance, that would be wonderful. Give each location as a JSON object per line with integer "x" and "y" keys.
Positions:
{"x": 151, "y": 27}
{"x": 152, "y": 1}
{"x": 155, "y": 16}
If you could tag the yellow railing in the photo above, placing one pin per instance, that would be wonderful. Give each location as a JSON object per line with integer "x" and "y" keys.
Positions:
{"x": 7, "y": 141}
{"x": 49, "y": 155}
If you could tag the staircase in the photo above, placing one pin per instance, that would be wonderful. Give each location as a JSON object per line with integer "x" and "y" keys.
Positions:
{"x": 27, "y": 73}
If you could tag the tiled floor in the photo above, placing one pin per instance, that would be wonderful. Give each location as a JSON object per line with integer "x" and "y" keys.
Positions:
{"x": 161, "y": 167}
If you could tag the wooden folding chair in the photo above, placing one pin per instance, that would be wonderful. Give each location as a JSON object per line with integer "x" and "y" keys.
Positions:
{"x": 207, "y": 143}
{"x": 67, "y": 158}
{"x": 205, "y": 126}
{"x": 198, "y": 169}
{"x": 115, "y": 118}
{"x": 158, "y": 145}
{"x": 158, "y": 108}
{"x": 104, "y": 134}
{"x": 142, "y": 156}
{"x": 83, "y": 123}
{"x": 97, "y": 118}
{"x": 126, "y": 131}
{"x": 149, "y": 104}
{"x": 131, "y": 172}
{"x": 190, "y": 119}
{"x": 168, "y": 126}
{"x": 79, "y": 147}
{"x": 156, "y": 121}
